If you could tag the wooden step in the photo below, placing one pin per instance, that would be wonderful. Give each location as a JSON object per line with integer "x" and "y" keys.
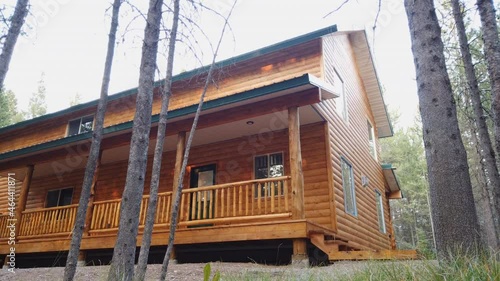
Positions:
{"x": 331, "y": 248}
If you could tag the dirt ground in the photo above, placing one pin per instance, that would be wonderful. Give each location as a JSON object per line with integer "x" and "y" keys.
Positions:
{"x": 191, "y": 272}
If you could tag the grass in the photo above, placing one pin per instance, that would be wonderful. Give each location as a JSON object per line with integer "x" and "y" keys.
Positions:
{"x": 477, "y": 268}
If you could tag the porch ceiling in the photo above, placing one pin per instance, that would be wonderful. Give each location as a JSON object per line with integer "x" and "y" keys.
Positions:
{"x": 261, "y": 124}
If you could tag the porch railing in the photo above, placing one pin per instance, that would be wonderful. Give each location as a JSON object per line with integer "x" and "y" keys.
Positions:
{"x": 4, "y": 222}
{"x": 57, "y": 220}
{"x": 246, "y": 200}
{"x": 106, "y": 214}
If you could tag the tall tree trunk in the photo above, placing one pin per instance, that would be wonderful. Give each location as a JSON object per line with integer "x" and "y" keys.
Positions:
{"x": 483, "y": 203}
{"x": 122, "y": 263}
{"x": 76, "y": 238}
{"x": 178, "y": 193}
{"x": 489, "y": 29}
{"x": 452, "y": 202}
{"x": 155, "y": 177}
{"x": 486, "y": 152}
{"x": 17, "y": 21}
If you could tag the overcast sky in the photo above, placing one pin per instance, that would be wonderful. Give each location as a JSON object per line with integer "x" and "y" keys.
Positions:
{"x": 68, "y": 43}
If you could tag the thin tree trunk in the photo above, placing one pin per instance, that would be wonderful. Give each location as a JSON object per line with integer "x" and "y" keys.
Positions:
{"x": 76, "y": 238}
{"x": 452, "y": 202}
{"x": 486, "y": 152}
{"x": 178, "y": 193}
{"x": 484, "y": 208}
{"x": 155, "y": 177}
{"x": 17, "y": 21}
{"x": 492, "y": 54}
{"x": 122, "y": 263}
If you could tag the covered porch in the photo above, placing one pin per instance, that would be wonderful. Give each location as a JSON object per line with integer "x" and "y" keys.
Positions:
{"x": 260, "y": 121}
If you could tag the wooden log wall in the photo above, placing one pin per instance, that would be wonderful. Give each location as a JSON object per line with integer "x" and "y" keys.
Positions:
{"x": 258, "y": 72}
{"x": 350, "y": 140}
{"x": 4, "y": 196}
{"x": 41, "y": 185}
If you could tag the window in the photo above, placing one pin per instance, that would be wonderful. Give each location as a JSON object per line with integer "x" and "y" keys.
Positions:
{"x": 80, "y": 125}
{"x": 59, "y": 197}
{"x": 380, "y": 211}
{"x": 269, "y": 166}
{"x": 348, "y": 187}
{"x": 371, "y": 140}
{"x": 341, "y": 104}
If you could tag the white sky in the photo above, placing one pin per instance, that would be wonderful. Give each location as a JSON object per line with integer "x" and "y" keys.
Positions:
{"x": 68, "y": 44}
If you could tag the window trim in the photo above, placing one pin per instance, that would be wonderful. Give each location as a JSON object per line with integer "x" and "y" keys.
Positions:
{"x": 352, "y": 188}
{"x": 79, "y": 127}
{"x": 379, "y": 202}
{"x": 269, "y": 154}
{"x": 372, "y": 144}
{"x": 58, "y": 197}
{"x": 344, "y": 116}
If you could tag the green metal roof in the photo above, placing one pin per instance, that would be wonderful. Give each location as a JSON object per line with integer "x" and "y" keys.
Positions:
{"x": 391, "y": 177}
{"x": 186, "y": 75}
{"x": 303, "y": 80}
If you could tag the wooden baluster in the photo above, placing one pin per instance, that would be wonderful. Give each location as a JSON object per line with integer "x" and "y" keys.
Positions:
{"x": 259, "y": 195}
{"x": 42, "y": 222}
{"x": 228, "y": 202}
{"x": 183, "y": 197}
{"x": 222, "y": 198}
{"x": 95, "y": 219}
{"x": 211, "y": 204}
{"x": 117, "y": 214}
{"x": 48, "y": 221}
{"x": 253, "y": 197}
{"x": 273, "y": 194}
{"x": 192, "y": 206}
{"x": 73, "y": 218}
{"x": 216, "y": 203}
{"x": 234, "y": 201}
{"x": 280, "y": 191}
{"x": 286, "y": 195}
{"x": 246, "y": 199}
{"x": 31, "y": 225}
{"x": 204, "y": 202}
{"x": 167, "y": 209}
{"x": 266, "y": 195}
{"x": 108, "y": 215}
{"x": 240, "y": 200}
{"x": 59, "y": 220}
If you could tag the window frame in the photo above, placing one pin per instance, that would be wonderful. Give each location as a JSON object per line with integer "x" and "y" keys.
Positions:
{"x": 380, "y": 211}
{"x": 59, "y": 190}
{"x": 352, "y": 188}
{"x": 79, "y": 125}
{"x": 268, "y": 194}
{"x": 342, "y": 109}
{"x": 371, "y": 143}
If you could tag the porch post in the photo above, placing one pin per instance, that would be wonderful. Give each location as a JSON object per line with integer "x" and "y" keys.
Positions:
{"x": 179, "y": 155}
{"x": 181, "y": 145}
{"x": 23, "y": 197}
{"x": 297, "y": 179}
{"x": 90, "y": 206}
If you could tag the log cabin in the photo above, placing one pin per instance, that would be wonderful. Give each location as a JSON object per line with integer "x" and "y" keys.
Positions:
{"x": 284, "y": 166}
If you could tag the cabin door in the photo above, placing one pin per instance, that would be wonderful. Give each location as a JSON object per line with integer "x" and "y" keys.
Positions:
{"x": 202, "y": 202}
